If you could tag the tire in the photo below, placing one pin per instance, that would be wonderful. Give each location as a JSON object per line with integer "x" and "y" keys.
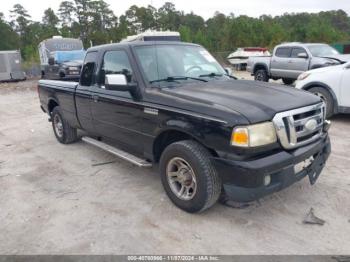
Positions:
{"x": 288, "y": 81}
{"x": 261, "y": 75}
{"x": 64, "y": 133}
{"x": 207, "y": 186}
{"x": 327, "y": 98}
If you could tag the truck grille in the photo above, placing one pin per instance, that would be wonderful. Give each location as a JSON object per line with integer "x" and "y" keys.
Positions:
{"x": 301, "y": 126}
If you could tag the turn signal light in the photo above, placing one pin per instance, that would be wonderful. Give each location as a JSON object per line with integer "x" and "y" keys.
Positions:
{"x": 240, "y": 137}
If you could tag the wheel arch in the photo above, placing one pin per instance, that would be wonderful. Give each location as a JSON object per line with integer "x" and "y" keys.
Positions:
{"x": 172, "y": 135}
{"x": 326, "y": 87}
{"x": 260, "y": 66}
{"x": 52, "y": 103}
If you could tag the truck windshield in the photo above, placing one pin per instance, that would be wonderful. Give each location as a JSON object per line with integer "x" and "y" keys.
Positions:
{"x": 322, "y": 50}
{"x": 64, "y": 56}
{"x": 163, "y": 62}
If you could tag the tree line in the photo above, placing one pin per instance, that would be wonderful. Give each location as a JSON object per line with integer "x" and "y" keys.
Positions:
{"x": 95, "y": 23}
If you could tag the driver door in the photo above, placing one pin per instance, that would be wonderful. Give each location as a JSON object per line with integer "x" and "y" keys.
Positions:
{"x": 116, "y": 115}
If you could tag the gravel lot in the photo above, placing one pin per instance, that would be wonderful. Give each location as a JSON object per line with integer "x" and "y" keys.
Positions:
{"x": 54, "y": 200}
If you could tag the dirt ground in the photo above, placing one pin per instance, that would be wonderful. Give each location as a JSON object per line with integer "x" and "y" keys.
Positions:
{"x": 54, "y": 199}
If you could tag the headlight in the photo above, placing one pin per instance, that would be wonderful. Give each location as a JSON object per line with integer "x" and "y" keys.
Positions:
{"x": 254, "y": 135}
{"x": 303, "y": 76}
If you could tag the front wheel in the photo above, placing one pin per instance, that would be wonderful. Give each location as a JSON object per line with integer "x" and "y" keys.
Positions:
{"x": 326, "y": 97}
{"x": 64, "y": 133}
{"x": 188, "y": 176}
{"x": 261, "y": 75}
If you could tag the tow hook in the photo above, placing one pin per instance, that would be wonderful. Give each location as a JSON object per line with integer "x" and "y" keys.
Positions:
{"x": 327, "y": 125}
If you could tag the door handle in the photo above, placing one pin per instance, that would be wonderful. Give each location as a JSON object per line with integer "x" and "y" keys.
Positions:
{"x": 95, "y": 98}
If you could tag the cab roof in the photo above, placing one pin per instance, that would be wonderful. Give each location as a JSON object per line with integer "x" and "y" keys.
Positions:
{"x": 138, "y": 43}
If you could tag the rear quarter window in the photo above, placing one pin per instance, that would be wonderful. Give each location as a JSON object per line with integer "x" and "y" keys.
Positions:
{"x": 283, "y": 52}
{"x": 89, "y": 66}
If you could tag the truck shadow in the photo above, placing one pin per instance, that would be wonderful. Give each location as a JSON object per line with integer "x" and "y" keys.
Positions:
{"x": 341, "y": 118}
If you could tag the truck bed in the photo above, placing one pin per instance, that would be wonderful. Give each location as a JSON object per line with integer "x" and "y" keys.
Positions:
{"x": 263, "y": 60}
{"x": 62, "y": 93}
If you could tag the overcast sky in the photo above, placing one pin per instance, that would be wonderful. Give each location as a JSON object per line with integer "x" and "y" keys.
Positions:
{"x": 205, "y": 8}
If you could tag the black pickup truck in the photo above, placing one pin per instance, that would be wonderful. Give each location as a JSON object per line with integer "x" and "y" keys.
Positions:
{"x": 171, "y": 104}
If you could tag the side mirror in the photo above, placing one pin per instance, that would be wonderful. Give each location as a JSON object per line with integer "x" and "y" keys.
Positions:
{"x": 118, "y": 82}
{"x": 51, "y": 60}
{"x": 303, "y": 55}
{"x": 228, "y": 70}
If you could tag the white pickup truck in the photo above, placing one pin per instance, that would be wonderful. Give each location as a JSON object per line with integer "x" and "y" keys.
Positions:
{"x": 289, "y": 60}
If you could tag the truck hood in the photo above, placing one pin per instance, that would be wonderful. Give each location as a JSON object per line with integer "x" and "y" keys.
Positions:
{"x": 77, "y": 63}
{"x": 340, "y": 57}
{"x": 256, "y": 101}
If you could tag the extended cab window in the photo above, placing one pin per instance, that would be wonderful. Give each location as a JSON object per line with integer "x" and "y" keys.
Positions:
{"x": 115, "y": 62}
{"x": 87, "y": 73}
{"x": 283, "y": 52}
{"x": 296, "y": 51}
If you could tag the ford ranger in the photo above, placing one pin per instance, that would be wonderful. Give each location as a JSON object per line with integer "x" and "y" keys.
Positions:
{"x": 172, "y": 105}
{"x": 290, "y": 60}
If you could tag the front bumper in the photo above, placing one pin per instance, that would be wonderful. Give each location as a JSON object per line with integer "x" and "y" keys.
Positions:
{"x": 243, "y": 181}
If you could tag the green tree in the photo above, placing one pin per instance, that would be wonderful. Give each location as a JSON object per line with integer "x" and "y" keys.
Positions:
{"x": 168, "y": 17}
{"x": 50, "y": 22}
{"x": 186, "y": 34}
{"x": 21, "y": 22}
{"x": 102, "y": 21}
{"x": 66, "y": 13}
{"x": 83, "y": 14}
{"x": 11, "y": 41}
{"x": 141, "y": 18}
{"x": 20, "y": 19}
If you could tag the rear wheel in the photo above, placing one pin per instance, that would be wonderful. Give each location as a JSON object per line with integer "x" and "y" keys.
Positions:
{"x": 64, "y": 133}
{"x": 261, "y": 75}
{"x": 288, "y": 81}
{"x": 326, "y": 97}
{"x": 188, "y": 176}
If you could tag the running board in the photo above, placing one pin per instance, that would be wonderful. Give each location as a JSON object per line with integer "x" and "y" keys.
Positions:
{"x": 117, "y": 152}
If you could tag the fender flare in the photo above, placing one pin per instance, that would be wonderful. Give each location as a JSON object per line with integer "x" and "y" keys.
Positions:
{"x": 50, "y": 100}
{"x": 188, "y": 130}
{"x": 261, "y": 65}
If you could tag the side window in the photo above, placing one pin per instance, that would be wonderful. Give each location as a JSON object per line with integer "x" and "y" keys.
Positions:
{"x": 115, "y": 62}
{"x": 283, "y": 52}
{"x": 87, "y": 72}
{"x": 296, "y": 51}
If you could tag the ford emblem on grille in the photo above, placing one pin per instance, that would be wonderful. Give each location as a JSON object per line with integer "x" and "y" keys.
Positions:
{"x": 300, "y": 126}
{"x": 311, "y": 125}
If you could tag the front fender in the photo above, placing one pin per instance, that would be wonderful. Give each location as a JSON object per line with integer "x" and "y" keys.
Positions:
{"x": 211, "y": 134}
{"x": 181, "y": 126}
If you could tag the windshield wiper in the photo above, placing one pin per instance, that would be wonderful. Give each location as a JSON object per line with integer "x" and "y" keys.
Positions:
{"x": 233, "y": 77}
{"x": 211, "y": 75}
{"x": 177, "y": 78}
{"x": 218, "y": 75}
